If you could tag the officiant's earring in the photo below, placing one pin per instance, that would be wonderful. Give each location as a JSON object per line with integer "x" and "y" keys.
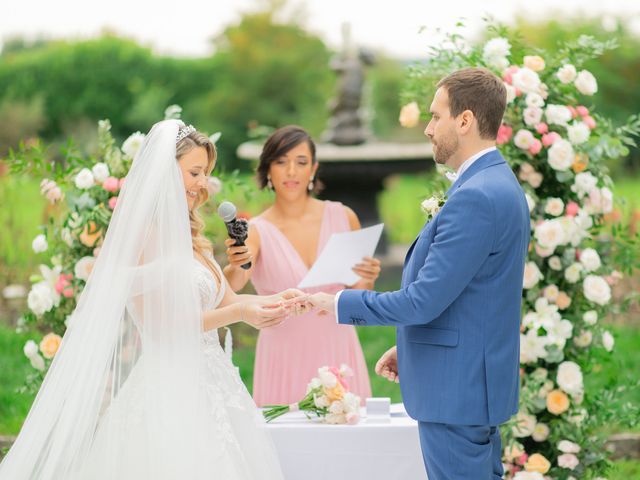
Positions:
{"x": 310, "y": 187}
{"x": 269, "y": 184}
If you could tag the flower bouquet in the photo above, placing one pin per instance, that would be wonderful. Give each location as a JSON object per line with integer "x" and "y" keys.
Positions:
{"x": 327, "y": 396}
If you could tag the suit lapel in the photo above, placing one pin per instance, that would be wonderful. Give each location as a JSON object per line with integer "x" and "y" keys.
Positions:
{"x": 487, "y": 160}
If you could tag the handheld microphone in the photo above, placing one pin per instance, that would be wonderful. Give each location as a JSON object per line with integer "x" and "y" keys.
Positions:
{"x": 237, "y": 228}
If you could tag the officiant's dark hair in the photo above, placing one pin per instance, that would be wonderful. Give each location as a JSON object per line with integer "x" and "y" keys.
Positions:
{"x": 482, "y": 92}
{"x": 278, "y": 144}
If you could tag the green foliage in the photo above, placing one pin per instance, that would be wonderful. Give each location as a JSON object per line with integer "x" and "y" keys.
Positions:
{"x": 268, "y": 74}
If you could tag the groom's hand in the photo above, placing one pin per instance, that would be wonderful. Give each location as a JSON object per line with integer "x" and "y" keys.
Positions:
{"x": 387, "y": 366}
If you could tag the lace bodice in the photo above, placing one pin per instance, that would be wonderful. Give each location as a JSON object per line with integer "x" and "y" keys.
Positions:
{"x": 210, "y": 296}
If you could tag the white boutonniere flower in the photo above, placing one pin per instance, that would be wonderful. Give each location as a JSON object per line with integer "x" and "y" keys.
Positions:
{"x": 432, "y": 205}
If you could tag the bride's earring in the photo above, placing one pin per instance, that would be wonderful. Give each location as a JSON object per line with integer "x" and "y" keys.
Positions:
{"x": 310, "y": 186}
{"x": 269, "y": 184}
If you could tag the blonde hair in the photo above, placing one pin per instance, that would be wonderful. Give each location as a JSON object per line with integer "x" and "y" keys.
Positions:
{"x": 201, "y": 245}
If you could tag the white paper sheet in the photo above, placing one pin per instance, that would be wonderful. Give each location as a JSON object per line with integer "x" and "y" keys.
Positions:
{"x": 342, "y": 251}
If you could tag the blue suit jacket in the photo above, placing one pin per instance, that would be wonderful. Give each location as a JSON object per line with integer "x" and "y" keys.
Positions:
{"x": 458, "y": 310}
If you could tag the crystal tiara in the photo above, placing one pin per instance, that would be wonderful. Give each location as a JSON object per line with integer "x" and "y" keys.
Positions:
{"x": 185, "y": 132}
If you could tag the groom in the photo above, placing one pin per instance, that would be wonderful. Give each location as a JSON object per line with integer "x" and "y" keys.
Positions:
{"x": 458, "y": 310}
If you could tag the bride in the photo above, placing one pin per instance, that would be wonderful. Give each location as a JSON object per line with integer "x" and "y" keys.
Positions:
{"x": 141, "y": 388}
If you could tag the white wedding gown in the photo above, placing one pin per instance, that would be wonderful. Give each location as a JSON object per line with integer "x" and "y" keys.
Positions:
{"x": 238, "y": 448}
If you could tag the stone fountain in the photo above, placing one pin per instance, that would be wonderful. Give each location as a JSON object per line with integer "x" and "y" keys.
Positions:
{"x": 353, "y": 164}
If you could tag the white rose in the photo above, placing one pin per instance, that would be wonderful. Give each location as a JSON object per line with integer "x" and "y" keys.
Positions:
{"x": 84, "y": 179}
{"x": 496, "y": 48}
{"x": 351, "y": 402}
{"x": 567, "y": 73}
{"x": 429, "y": 205}
{"x": 132, "y": 144}
{"x": 578, "y": 133}
{"x": 558, "y": 332}
{"x": 590, "y": 259}
{"x": 596, "y": 289}
{"x": 328, "y": 379}
{"x": 533, "y": 115}
{"x": 550, "y": 234}
{"x": 572, "y": 274}
{"x": 541, "y": 432}
{"x": 523, "y": 139}
{"x": 584, "y": 183}
{"x": 322, "y": 401}
{"x": 30, "y": 348}
{"x": 100, "y": 172}
{"x": 40, "y": 298}
{"x": 526, "y": 80}
{"x": 551, "y": 292}
{"x": 524, "y": 475}
{"x": 83, "y": 267}
{"x": 336, "y": 407}
{"x": 511, "y": 92}
{"x": 531, "y": 203}
{"x": 578, "y": 417}
{"x": 532, "y": 347}
{"x": 40, "y": 244}
{"x": 555, "y": 263}
{"x": 532, "y": 275}
{"x": 409, "y": 115}
{"x": 534, "y": 62}
{"x": 586, "y": 83}
{"x": 568, "y": 460}
{"x": 569, "y": 378}
{"x": 590, "y": 317}
{"x": 607, "y": 341}
{"x": 37, "y": 362}
{"x": 557, "y": 114}
{"x": 554, "y": 206}
{"x": 565, "y": 446}
{"x": 561, "y": 155}
{"x": 172, "y": 112}
{"x": 314, "y": 384}
{"x": 584, "y": 339}
{"x": 534, "y": 100}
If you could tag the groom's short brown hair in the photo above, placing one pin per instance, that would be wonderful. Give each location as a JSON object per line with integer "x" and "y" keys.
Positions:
{"x": 482, "y": 92}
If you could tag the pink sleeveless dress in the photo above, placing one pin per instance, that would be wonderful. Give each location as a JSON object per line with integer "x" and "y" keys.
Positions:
{"x": 288, "y": 355}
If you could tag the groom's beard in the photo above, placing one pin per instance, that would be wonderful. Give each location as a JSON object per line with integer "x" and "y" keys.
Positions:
{"x": 445, "y": 147}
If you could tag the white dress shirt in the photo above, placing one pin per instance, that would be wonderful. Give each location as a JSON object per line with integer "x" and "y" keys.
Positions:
{"x": 453, "y": 177}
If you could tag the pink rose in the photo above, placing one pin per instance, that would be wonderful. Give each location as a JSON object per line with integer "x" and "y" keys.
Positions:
{"x": 582, "y": 110}
{"x": 522, "y": 459}
{"x": 54, "y": 194}
{"x": 63, "y": 283}
{"x": 112, "y": 202}
{"x": 572, "y": 209}
{"x": 96, "y": 251}
{"x": 535, "y": 147}
{"x": 111, "y": 184}
{"x": 353, "y": 418}
{"x": 67, "y": 292}
{"x": 542, "y": 128}
{"x": 589, "y": 121}
{"x": 573, "y": 111}
{"x": 578, "y": 253}
{"x": 550, "y": 138}
{"x": 507, "y": 75}
{"x": 121, "y": 182}
{"x": 543, "y": 252}
{"x": 504, "y": 134}
{"x": 568, "y": 460}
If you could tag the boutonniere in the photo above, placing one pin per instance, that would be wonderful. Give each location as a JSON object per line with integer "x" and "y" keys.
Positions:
{"x": 432, "y": 205}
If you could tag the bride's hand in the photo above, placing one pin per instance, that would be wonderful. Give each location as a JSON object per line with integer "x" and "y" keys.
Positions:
{"x": 295, "y": 300}
{"x": 262, "y": 314}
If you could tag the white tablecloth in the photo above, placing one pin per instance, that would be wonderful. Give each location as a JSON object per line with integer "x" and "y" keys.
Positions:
{"x": 311, "y": 450}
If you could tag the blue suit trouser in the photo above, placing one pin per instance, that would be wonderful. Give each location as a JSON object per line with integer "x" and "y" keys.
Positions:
{"x": 461, "y": 452}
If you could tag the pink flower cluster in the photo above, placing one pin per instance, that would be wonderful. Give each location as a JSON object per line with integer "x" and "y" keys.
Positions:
{"x": 63, "y": 285}
{"x": 50, "y": 190}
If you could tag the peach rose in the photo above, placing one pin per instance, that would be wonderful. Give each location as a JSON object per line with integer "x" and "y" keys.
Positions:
{"x": 557, "y": 402}
{"x": 49, "y": 345}
{"x": 409, "y": 115}
{"x": 335, "y": 393}
{"x": 563, "y": 301}
{"x": 90, "y": 235}
{"x": 534, "y": 62}
{"x": 537, "y": 463}
{"x": 580, "y": 163}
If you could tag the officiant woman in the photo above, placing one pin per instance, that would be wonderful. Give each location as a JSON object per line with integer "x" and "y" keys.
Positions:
{"x": 283, "y": 243}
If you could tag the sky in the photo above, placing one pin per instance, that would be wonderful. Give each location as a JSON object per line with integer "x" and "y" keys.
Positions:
{"x": 185, "y": 28}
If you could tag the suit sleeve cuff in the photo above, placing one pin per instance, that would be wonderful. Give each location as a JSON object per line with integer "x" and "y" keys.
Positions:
{"x": 335, "y": 306}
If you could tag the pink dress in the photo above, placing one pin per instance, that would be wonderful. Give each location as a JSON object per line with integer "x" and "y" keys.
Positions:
{"x": 288, "y": 355}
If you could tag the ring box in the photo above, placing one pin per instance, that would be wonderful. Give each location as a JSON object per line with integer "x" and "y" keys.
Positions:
{"x": 378, "y": 410}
